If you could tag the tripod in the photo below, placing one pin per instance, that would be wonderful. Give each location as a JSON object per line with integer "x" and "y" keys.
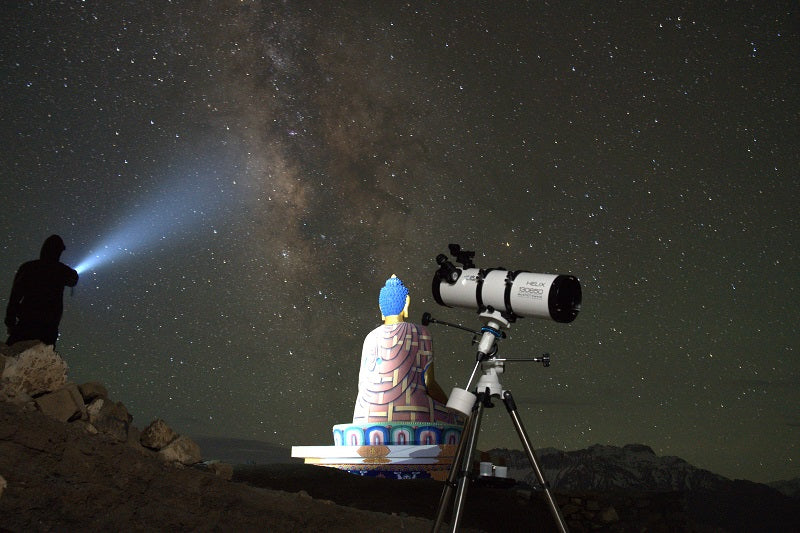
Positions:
{"x": 472, "y": 406}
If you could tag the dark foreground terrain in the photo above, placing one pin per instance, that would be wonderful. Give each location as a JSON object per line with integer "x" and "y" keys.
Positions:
{"x": 62, "y": 478}
{"x": 490, "y": 505}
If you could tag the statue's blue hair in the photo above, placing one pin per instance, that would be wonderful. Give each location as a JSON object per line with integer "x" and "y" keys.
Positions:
{"x": 392, "y": 298}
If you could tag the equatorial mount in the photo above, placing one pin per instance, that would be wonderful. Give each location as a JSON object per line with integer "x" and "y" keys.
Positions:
{"x": 491, "y": 367}
{"x": 472, "y": 404}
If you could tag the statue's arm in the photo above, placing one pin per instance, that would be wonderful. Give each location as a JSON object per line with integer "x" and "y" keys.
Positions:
{"x": 434, "y": 389}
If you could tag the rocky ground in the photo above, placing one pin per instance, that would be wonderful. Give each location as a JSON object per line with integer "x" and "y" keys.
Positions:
{"x": 62, "y": 478}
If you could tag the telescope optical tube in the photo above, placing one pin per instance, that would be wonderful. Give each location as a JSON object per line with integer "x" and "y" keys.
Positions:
{"x": 518, "y": 293}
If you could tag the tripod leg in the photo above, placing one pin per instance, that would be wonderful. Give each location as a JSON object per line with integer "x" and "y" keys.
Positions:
{"x": 466, "y": 463}
{"x": 452, "y": 477}
{"x": 511, "y": 406}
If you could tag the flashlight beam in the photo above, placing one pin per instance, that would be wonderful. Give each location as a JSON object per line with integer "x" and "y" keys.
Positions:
{"x": 189, "y": 199}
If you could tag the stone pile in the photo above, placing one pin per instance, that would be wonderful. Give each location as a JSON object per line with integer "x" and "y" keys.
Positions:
{"x": 33, "y": 375}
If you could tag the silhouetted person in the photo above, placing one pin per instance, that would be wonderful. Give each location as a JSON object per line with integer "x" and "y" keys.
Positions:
{"x": 37, "y": 296}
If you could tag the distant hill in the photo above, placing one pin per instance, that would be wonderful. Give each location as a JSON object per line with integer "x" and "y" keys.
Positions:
{"x": 600, "y": 467}
{"x": 789, "y": 487}
{"x": 710, "y": 499}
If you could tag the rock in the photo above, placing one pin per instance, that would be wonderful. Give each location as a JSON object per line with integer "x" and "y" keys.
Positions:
{"x": 157, "y": 435}
{"x": 88, "y": 427}
{"x": 133, "y": 438}
{"x": 85, "y": 483}
{"x": 78, "y": 399}
{"x": 35, "y": 370}
{"x": 93, "y": 390}
{"x": 570, "y": 509}
{"x": 181, "y": 450}
{"x": 21, "y": 398}
{"x": 112, "y": 419}
{"x": 93, "y": 409}
{"x": 609, "y": 515}
{"x": 3, "y": 485}
{"x": 64, "y": 404}
{"x": 18, "y": 347}
{"x": 223, "y": 470}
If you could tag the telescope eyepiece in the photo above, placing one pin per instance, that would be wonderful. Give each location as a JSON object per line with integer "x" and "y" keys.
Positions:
{"x": 447, "y": 270}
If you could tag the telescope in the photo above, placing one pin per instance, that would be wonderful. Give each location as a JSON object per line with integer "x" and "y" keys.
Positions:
{"x": 500, "y": 296}
{"x": 514, "y": 294}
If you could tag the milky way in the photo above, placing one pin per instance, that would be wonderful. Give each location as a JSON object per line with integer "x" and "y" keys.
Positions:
{"x": 260, "y": 168}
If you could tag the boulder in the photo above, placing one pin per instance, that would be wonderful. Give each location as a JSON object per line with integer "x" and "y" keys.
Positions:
{"x": 133, "y": 438}
{"x": 20, "y": 398}
{"x": 157, "y": 435}
{"x": 34, "y": 376}
{"x": 87, "y": 427}
{"x": 34, "y": 370}
{"x": 93, "y": 390}
{"x": 93, "y": 408}
{"x": 3, "y": 485}
{"x": 110, "y": 418}
{"x": 65, "y": 404}
{"x": 182, "y": 450}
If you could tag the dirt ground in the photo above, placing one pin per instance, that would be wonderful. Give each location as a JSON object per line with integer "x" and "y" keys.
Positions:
{"x": 61, "y": 478}
{"x": 489, "y": 506}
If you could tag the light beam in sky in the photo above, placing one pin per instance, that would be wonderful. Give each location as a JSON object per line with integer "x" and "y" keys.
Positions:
{"x": 186, "y": 203}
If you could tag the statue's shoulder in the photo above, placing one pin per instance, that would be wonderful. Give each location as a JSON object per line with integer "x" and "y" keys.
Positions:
{"x": 420, "y": 329}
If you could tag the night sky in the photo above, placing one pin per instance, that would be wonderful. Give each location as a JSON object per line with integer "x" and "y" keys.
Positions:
{"x": 250, "y": 173}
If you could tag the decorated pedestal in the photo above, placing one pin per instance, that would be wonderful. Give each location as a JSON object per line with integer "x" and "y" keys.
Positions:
{"x": 396, "y": 433}
{"x": 394, "y": 462}
{"x": 410, "y": 450}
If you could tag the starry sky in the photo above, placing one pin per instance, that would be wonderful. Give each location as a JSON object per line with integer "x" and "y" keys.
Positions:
{"x": 247, "y": 174}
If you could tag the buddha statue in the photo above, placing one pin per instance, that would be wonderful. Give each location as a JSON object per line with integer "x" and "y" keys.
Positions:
{"x": 399, "y": 401}
{"x": 396, "y": 382}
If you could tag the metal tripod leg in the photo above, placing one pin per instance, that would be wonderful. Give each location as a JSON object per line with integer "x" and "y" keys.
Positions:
{"x": 466, "y": 461}
{"x": 508, "y": 399}
{"x": 461, "y": 468}
{"x": 462, "y": 464}
{"x": 452, "y": 477}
